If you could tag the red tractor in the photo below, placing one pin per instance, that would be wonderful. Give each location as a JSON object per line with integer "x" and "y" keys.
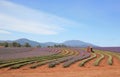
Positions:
{"x": 89, "y": 49}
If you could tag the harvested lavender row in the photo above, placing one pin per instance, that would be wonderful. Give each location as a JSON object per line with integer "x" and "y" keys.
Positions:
{"x": 75, "y": 59}
{"x": 53, "y": 64}
{"x": 61, "y": 60}
{"x": 83, "y": 54}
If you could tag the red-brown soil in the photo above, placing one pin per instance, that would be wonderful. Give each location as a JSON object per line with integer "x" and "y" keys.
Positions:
{"x": 74, "y": 70}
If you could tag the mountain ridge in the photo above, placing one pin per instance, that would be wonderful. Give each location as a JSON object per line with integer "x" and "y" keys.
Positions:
{"x": 71, "y": 43}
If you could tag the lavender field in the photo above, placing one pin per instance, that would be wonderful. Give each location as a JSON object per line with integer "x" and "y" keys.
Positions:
{"x": 112, "y": 49}
{"x": 14, "y": 53}
{"x": 57, "y": 59}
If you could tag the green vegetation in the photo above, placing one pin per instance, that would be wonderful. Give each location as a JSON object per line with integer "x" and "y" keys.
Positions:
{"x": 88, "y": 59}
{"x": 27, "y": 45}
{"x": 14, "y": 44}
{"x": 5, "y": 44}
{"x": 41, "y": 63}
{"x": 66, "y": 56}
{"x": 110, "y": 59}
{"x": 14, "y": 62}
{"x": 96, "y": 63}
{"x": 76, "y": 59}
{"x": 20, "y": 65}
{"x": 115, "y": 54}
{"x": 57, "y": 46}
{"x": 51, "y": 59}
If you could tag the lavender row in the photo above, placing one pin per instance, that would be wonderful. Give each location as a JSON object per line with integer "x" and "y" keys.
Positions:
{"x": 75, "y": 59}
{"x": 83, "y": 54}
{"x": 112, "y": 49}
{"x": 61, "y": 60}
{"x": 65, "y": 59}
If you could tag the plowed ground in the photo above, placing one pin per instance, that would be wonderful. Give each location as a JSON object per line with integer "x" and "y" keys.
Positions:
{"x": 103, "y": 70}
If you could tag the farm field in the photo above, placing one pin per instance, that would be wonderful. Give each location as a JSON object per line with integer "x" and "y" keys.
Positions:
{"x": 59, "y": 38}
{"x": 57, "y": 62}
{"x": 13, "y": 53}
{"x": 112, "y": 49}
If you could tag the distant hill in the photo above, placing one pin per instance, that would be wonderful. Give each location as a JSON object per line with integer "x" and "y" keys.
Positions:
{"x": 71, "y": 43}
{"x": 77, "y": 43}
{"x": 23, "y": 41}
{"x": 49, "y": 44}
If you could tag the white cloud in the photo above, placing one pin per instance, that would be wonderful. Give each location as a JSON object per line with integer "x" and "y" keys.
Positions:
{"x": 10, "y": 23}
{"x": 19, "y": 18}
{"x": 4, "y": 32}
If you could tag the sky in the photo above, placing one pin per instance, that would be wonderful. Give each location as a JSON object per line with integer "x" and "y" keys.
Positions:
{"x": 93, "y": 21}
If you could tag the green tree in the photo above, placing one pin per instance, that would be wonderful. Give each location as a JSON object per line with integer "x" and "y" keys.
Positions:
{"x": 27, "y": 45}
{"x": 1, "y": 44}
{"x": 55, "y": 45}
{"x": 6, "y": 44}
{"x": 39, "y": 46}
{"x": 48, "y": 46}
{"x": 19, "y": 45}
{"x": 15, "y": 44}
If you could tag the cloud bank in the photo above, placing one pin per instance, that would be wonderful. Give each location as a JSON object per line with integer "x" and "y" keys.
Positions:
{"x": 19, "y": 18}
{"x": 4, "y": 32}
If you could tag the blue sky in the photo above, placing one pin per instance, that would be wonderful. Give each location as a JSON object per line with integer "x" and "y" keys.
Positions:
{"x": 93, "y": 21}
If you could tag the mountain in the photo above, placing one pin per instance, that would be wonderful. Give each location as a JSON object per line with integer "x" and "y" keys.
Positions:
{"x": 77, "y": 43}
{"x": 71, "y": 43}
{"x": 49, "y": 44}
{"x": 23, "y": 41}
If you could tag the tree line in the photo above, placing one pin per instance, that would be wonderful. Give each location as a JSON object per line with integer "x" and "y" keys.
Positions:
{"x": 56, "y": 46}
{"x": 14, "y": 44}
